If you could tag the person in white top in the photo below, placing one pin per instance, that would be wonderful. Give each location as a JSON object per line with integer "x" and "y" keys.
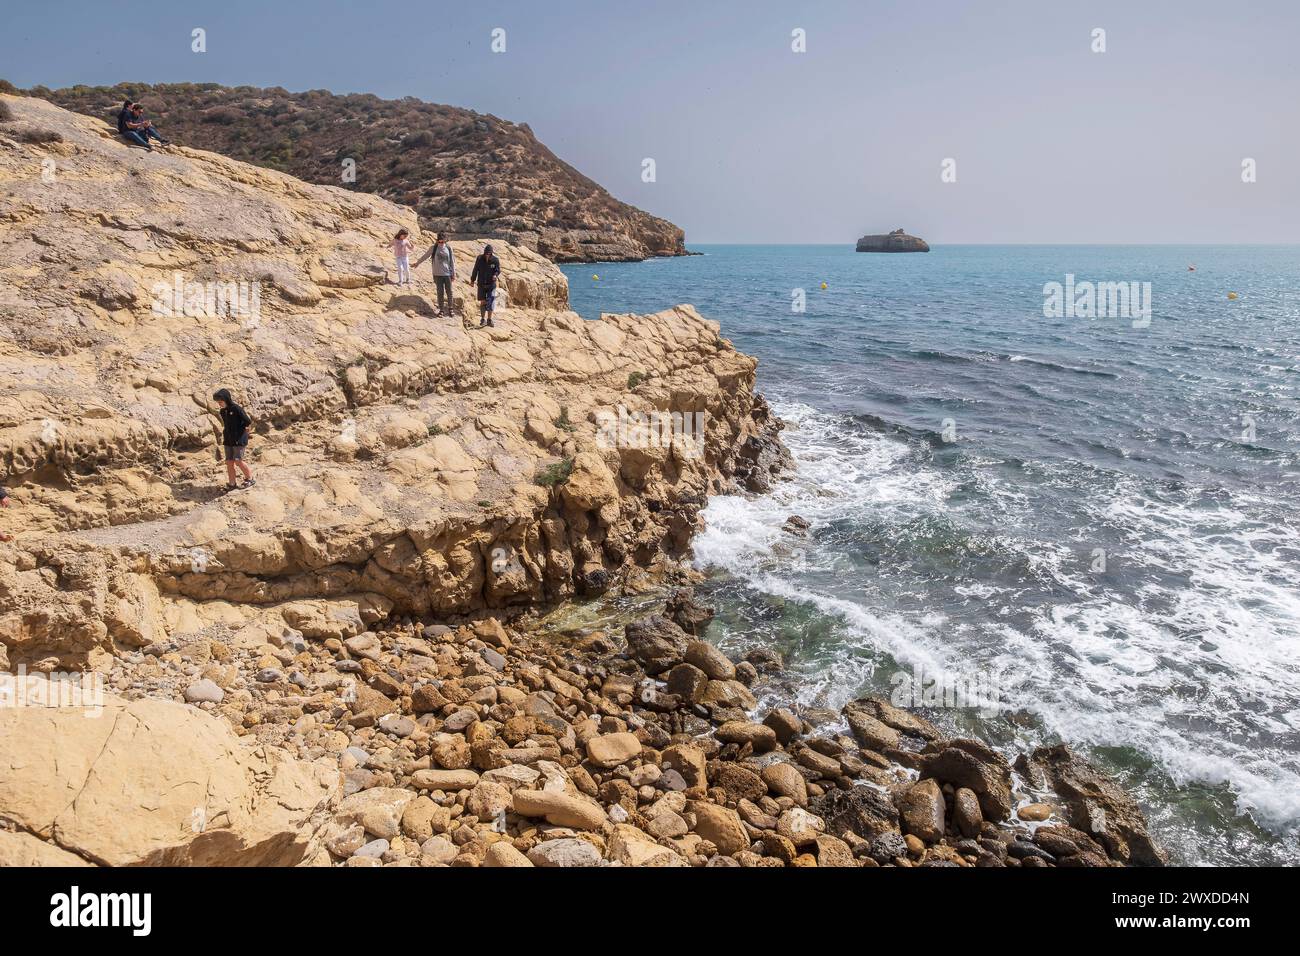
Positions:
{"x": 402, "y": 247}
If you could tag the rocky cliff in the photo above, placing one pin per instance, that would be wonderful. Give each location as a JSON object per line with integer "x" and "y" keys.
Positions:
{"x": 468, "y": 174}
{"x": 344, "y": 664}
{"x": 406, "y": 464}
{"x": 896, "y": 241}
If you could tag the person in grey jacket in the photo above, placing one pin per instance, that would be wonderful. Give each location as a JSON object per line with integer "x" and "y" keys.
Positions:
{"x": 444, "y": 271}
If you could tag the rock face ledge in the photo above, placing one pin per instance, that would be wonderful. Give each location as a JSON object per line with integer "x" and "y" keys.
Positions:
{"x": 406, "y": 464}
{"x": 896, "y": 241}
{"x": 338, "y": 666}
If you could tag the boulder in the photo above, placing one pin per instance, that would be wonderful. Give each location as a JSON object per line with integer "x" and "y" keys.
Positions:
{"x": 567, "y": 852}
{"x": 687, "y": 683}
{"x": 158, "y": 783}
{"x": 1094, "y": 804}
{"x": 785, "y": 724}
{"x": 785, "y": 781}
{"x": 559, "y": 808}
{"x": 610, "y": 750}
{"x": 761, "y": 737}
{"x": 870, "y": 732}
{"x": 921, "y": 810}
{"x": 862, "y": 810}
{"x": 688, "y": 761}
{"x": 687, "y": 613}
{"x": 720, "y": 826}
{"x": 972, "y": 764}
{"x": 709, "y": 659}
{"x": 966, "y": 814}
{"x": 657, "y": 643}
{"x": 503, "y": 854}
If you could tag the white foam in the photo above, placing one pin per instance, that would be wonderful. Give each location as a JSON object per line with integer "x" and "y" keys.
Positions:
{"x": 1196, "y": 676}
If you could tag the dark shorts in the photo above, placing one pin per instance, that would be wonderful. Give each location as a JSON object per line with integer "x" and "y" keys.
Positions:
{"x": 235, "y": 452}
{"x": 488, "y": 299}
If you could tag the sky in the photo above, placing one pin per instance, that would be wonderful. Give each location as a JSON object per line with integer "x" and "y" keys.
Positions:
{"x": 755, "y": 142}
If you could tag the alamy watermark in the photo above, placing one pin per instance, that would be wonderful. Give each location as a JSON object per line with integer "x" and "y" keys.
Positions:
{"x": 209, "y": 300}
{"x": 1098, "y": 300}
{"x": 80, "y": 689}
{"x": 655, "y": 429}
{"x": 919, "y": 687}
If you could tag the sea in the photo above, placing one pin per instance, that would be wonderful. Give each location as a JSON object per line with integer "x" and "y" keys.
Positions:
{"x": 1041, "y": 520}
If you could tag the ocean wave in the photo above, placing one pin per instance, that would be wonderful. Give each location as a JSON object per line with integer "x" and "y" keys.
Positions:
{"x": 1058, "y": 367}
{"x": 1185, "y": 647}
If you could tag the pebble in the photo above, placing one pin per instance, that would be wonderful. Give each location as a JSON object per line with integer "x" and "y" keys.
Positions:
{"x": 374, "y": 849}
{"x": 565, "y": 852}
{"x": 1034, "y": 812}
{"x": 204, "y": 691}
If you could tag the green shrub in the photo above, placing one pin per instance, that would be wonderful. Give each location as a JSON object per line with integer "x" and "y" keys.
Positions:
{"x": 555, "y": 474}
{"x": 635, "y": 379}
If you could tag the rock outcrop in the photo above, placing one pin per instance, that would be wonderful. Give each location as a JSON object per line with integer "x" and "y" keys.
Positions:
{"x": 896, "y": 241}
{"x": 346, "y": 663}
{"x": 468, "y": 174}
{"x": 1094, "y": 804}
{"x": 151, "y": 782}
{"x": 407, "y": 464}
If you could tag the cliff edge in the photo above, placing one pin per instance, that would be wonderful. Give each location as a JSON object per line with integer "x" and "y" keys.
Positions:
{"x": 406, "y": 464}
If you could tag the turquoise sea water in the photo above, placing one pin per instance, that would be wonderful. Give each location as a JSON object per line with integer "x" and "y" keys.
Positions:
{"x": 1097, "y": 520}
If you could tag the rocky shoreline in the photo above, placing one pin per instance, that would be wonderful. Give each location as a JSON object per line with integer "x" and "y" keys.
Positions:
{"x": 346, "y": 665}
{"x": 491, "y": 744}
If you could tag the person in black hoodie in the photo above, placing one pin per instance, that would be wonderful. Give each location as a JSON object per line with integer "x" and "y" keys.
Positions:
{"x": 4, "y": 503}
{"x": 235, "y": 425}
{"x": 125, "y": 119}
{"x": 487, "y": 268}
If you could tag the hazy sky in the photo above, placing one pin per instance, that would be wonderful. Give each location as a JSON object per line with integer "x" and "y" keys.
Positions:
{"x": 756, "y": 143}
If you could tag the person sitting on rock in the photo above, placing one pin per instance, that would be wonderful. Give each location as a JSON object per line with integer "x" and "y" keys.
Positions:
{"x": 487, "y": 268}
{"x": 444, "y": 272}
{"x": 235, "y": 425}
{"x": 126, "y": 130}
{"x": 4, "y": 503}
{"x": 143, "y": 129}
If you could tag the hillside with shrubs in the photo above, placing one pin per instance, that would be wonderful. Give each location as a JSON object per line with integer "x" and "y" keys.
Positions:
{"x": 469, "y": 174}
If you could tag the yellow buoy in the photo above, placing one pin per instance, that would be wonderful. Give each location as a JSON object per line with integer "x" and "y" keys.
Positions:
{"x": 596, "y": 278}
{"x": 823, "y": 285}
{"x": 1232, "y": 295}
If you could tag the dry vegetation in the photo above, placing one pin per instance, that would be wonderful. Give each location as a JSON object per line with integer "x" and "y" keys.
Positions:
{"x": 465, "y": 173}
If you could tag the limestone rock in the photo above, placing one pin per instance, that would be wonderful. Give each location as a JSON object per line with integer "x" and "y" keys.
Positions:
{"x": 430, "y": 504}
{"x": 566, "y": 852}
{"x": 610, "y": 750}
{"x": 502, "y": 854}
{"x": 657, "y": 643}
{"x": 560, "y": 809}
{"x": 154, "y": 782}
